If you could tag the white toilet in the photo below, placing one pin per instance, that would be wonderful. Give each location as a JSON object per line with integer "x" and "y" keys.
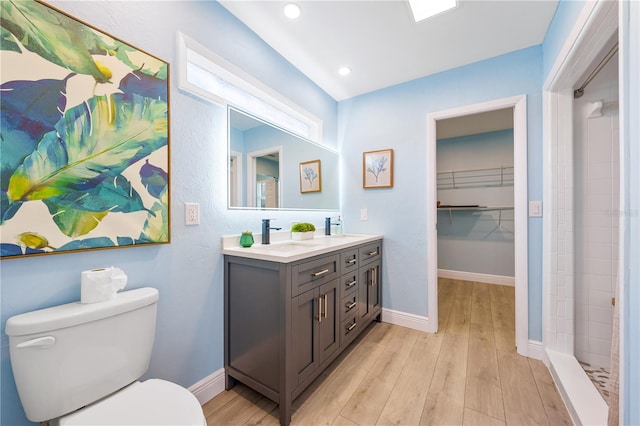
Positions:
{"x": 78, "y": 364}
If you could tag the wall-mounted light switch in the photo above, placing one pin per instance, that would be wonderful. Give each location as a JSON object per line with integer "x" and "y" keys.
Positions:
{"x": 191, "y": 213}
{"x": 535, "y": 208}
{"x": 364, "y": 214}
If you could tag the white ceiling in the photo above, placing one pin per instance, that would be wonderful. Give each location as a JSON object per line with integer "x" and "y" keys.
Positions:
{"x": 382, "y": 44}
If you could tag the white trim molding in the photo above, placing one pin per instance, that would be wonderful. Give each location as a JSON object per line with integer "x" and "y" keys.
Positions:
{"x": 474, "y": 276}
{"x": 403, "y": 319}
{"x": 206, "y": 389}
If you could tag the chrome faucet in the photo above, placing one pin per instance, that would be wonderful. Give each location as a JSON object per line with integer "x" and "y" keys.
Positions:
{"x": 266, "y": 227}
{"x": 327, "y": 225}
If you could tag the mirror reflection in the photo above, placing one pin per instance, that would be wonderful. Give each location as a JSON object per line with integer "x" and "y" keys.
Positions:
{"x": 267, "y": 167}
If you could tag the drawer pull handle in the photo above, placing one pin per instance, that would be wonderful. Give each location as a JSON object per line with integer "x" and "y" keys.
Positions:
{"x": 373, "y": 253}
{"x": 351, "y": 284}
{"x": 317, "y": 274}
{"x": 350, "y": 306}
{"x": 352, "y": 261}
{"x": 351, "y": 327}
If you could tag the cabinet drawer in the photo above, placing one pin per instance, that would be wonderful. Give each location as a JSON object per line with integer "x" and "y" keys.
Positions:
{"x": 349, "y": 305}
{"x": 370, "y": 252}
{"x": 349, "y": 329}
{"x": 308, "y": 275}
{"x": 349, "y": 283}
{"x": 348, "y": 261}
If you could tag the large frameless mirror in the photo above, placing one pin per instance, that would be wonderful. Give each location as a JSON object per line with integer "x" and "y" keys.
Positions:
{"x": 270, "y": 168}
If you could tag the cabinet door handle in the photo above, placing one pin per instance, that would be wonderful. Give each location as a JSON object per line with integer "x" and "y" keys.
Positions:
{"x": 319, "y": 273}
{"x": 350, "y": 306}
{"x": 373, "y": 253}
{"x": 351, "y": 284}
{"x": 326, "y": 310}
{"x": 352, "y": 261}
{"x": 372, "y": 276}
{"x": 320, "y": 309}
{"x": 351, "y": 327}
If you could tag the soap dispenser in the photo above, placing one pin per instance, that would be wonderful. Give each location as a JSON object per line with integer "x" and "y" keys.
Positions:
{"x": 338, "y": 228}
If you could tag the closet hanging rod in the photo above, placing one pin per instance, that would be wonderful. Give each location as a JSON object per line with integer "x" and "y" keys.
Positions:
{"x": 580, "y": 90}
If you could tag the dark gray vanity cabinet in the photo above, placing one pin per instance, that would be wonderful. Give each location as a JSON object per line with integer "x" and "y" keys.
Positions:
{"x": 286, "y": 322}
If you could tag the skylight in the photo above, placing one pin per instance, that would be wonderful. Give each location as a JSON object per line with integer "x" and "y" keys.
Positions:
{"x": 423, "y": 9}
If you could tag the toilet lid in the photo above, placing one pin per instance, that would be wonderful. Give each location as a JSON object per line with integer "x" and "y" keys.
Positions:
{"x": 153, "y": 402}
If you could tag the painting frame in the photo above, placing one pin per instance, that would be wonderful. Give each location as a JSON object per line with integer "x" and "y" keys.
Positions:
{"x": 105, "y": 179}
{"x": 377, "y": 169}
{"x": 310, "y": 171}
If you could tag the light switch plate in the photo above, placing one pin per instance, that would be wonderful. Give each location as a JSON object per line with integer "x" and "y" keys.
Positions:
{"x": 364, "y": 214}
{"x": 535, "y": 208}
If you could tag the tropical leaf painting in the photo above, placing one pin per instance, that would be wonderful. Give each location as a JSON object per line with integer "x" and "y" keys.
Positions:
{"x": 84, "y": 136}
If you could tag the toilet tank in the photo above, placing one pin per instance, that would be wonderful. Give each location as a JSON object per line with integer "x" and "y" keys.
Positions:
{"x": 68, "y": 356}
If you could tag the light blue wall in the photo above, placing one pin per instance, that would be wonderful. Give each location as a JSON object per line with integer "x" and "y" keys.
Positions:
{"x": 397, "y": 118}
{"x": 189, "y": 271}
{"x": 563, "y": 20}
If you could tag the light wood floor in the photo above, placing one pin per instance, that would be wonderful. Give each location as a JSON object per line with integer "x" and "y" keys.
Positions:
{"x": 467, "y": 374}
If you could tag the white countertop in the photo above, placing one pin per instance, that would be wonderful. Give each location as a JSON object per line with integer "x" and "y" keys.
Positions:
{"x": 286, "y": 250}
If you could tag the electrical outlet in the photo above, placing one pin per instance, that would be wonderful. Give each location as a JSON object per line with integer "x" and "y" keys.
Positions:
{"x": 364, "y": 214}
{"x": 191, "y": 213}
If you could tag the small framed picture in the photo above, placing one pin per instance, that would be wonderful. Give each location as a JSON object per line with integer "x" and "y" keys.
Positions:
{"x": 377, "y": 169}
{"x": 310, "y": 177}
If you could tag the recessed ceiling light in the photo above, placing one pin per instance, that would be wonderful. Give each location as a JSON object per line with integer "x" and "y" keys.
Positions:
{"x": 292, "y": 11}
{"x": 423, "y": 9}
{"x": 344, "y": 70}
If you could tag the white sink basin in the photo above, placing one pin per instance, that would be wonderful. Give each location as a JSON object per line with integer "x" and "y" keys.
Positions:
{"x": 285, "y": 246}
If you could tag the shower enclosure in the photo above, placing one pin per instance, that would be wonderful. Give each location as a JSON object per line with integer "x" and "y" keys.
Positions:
{"x": 596, "y": 217}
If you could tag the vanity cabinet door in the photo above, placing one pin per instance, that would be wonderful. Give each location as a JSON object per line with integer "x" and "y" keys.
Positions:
{"x": 369, "y": 291}
{"x": 315, "y": 328}
{"x": 329, "y": 320}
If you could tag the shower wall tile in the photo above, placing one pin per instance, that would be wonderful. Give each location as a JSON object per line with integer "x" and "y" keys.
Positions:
{"x": 600, "y": 331}
{"x": 599, "y": 360}
{"x": 599, "y": 282}
{"x": 600, "y": 299}
{"x": 599, "y": 235}
{"x": 599, "y": 346}
{"x": 599, "y": 250}
{"x": 601, "y": 315}
{"x": 596, "y": 266}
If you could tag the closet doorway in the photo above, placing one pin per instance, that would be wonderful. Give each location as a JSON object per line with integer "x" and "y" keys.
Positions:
{"x": 517, "y": 211}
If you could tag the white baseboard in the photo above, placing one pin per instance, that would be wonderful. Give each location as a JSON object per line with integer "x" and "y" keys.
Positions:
{"x": 404, "y": 319}
{"x": 208, "y": 387}
{"x": 473, "y": 276}
{"x": 535, "y": 350}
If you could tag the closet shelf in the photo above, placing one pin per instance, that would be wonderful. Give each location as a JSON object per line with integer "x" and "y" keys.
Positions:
{"x": 471, "y": 208}
{"x": 499, "y": 209}
{"x": 475, "y": 178}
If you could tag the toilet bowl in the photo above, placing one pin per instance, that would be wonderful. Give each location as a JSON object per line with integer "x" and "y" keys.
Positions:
{"x": 152, "y": 402}
{"x": 80, "y": 364}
